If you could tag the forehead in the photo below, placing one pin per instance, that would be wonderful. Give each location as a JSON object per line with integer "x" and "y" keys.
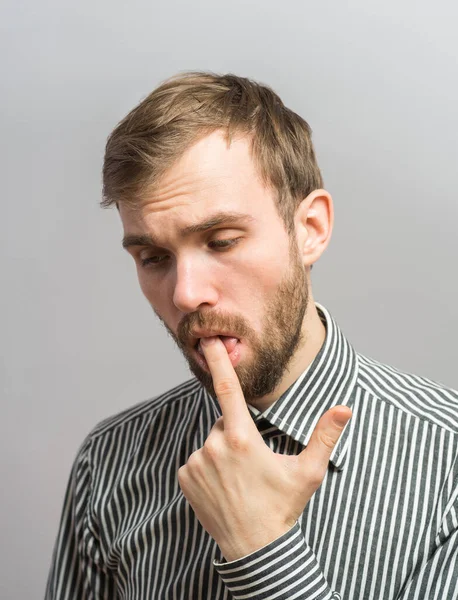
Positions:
{"x": 210, "y": 177}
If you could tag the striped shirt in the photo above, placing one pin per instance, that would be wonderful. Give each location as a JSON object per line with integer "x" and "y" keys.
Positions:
{"x": 383, "y": 524}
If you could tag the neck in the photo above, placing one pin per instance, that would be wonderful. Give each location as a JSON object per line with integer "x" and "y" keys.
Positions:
{"x": 314, "y": 334}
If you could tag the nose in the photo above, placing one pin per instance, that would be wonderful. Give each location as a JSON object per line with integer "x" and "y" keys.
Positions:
{"x": 194, "y": 285}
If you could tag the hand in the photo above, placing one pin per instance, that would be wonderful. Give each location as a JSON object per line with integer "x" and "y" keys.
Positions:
{"x": 244, "y": 495}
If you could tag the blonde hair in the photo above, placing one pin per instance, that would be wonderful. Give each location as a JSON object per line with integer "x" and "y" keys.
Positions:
{"x": 191, "y": 105}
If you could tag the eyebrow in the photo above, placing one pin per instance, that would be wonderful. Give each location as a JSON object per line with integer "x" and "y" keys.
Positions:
{"x": 219, "y": 218}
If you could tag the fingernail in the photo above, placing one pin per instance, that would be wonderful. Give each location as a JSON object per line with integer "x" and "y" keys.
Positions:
{"x": 208, "y": 340}
{"x": 340, "y": 418}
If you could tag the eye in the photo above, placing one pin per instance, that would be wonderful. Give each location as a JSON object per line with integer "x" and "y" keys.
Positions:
{"x": 159, "y": 260}
{"x": 223, "y": 244}
{"x": 153, "y": 260}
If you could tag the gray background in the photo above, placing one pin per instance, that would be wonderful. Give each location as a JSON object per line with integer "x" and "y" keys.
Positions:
{"x": 378, "y": 82}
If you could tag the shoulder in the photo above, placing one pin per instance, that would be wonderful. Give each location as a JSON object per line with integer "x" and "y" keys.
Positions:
{"x": 110, "y": 445}
{"x": 418, "y": 396}
{"x": 147, "y": 410}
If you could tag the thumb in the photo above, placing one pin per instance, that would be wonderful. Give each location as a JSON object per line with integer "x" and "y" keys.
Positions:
{"x": 324, "y": 438}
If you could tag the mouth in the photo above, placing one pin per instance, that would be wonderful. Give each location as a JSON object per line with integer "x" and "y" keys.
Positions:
{"x": 232, "y": 344}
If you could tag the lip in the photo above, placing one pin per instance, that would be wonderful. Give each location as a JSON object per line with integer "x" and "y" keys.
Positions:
{"x": 234, "y": 356}
{"x": 196, "y": 335}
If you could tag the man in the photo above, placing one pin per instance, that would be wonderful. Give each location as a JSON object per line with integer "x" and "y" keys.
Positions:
{"x": 290, "y": 466}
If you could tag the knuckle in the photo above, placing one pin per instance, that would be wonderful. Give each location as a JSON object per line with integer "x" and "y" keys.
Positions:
{"x": 238, "y": 442}
{"x": 327, "y": 440}
{"x": 193, "y": 461}
{"x": 212, "y": 448}
{"x": 225, "y": 387}
{"x": 181, "y": 473}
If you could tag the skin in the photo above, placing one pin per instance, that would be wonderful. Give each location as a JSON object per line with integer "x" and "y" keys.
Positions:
{"x": 193, "y": 284}
{"x": 272, "y": 351}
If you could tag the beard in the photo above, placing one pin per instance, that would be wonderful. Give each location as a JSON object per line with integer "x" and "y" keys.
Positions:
{"x": 272, "y": 350}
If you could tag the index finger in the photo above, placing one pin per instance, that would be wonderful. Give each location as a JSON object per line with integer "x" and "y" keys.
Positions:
{"x": 226, "y": 384}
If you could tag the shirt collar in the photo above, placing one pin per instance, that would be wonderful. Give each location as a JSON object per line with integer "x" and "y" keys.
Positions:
{"x": 329, "y": 380}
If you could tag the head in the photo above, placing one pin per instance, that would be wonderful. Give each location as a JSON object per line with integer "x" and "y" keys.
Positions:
{"x": 224, "y": 213}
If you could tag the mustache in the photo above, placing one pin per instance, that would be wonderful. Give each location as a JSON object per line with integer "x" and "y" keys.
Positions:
{"x": 211, "y": 320}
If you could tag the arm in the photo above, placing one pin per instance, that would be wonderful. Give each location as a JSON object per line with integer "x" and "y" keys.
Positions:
{"x": 75, "y": 573}
{"x": 286, "y": 569}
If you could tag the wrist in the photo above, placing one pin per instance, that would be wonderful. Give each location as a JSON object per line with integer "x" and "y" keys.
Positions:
{"x": 236, "y": 549}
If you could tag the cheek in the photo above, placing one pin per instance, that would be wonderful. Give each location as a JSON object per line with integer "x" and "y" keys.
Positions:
{"x": 264, "y": 270}
{"x": 159, "y": 302}
{"x": 153, "y": 290}
{"x": 252, "y": 283}
{"x": 145, "y": 284}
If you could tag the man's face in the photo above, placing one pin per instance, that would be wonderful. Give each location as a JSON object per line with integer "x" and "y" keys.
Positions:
{"x": 213, "y": 257}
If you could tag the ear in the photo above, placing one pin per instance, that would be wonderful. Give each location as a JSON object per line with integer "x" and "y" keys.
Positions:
{"x": 314, "y": 221}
